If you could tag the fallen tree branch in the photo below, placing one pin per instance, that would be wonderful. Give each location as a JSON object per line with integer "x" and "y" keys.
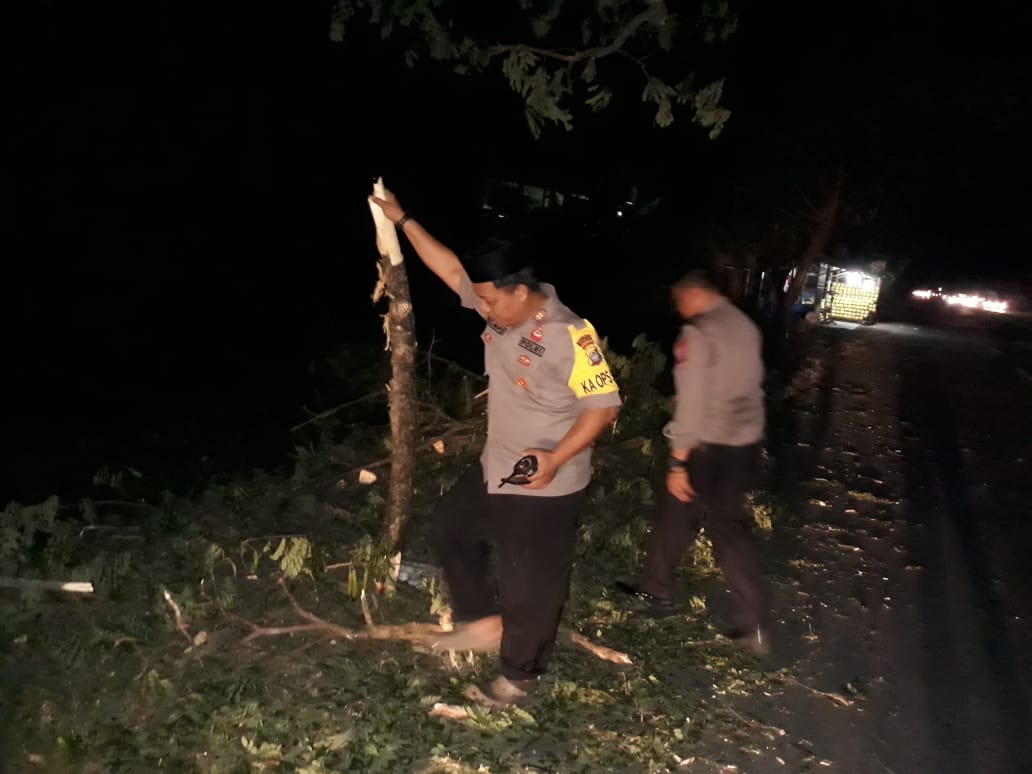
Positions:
{"x": 109, "y": 504}
{"x": 457, "y": 367}
{"x": 122, "y": 503}
{"x": 424, "y": 634}
{"x": 331, "y": 411}
{"x": 128, "y": 532}
{"x": 75, "y": 587}
{"x": 269, "y": 631}
{"x": 342, "y": 566}
{"x": 455, "y": 431}
{"x": 418, "y": 633}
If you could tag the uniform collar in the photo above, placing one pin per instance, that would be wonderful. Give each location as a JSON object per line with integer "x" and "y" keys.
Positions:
{"x": 547, "y": 310}
{"x": 718, "y": 304}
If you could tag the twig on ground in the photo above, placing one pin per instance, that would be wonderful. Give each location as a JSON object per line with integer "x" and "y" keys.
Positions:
{"x": 365, "y": 611}
{"x": 449, "y": 711}
{"x": 329, "y": 627}
{"x": 181, "y": 627}
{"x": 269, "y": 631}
{"x": 836, "y": 698}
{"x": 600, "y": 651}
{"x": 755, "y": 723}
{"x": 77, "y": 587}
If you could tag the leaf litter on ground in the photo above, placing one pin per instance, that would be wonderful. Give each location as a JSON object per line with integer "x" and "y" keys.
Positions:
{"x": 315, "y": 701}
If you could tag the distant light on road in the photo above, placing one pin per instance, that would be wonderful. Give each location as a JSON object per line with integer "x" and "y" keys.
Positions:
{"x": 976, "y": 302}
{"x": 964, "y": 300}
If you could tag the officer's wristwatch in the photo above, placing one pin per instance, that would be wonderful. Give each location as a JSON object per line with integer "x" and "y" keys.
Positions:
{"x": 405, "y": 218}
{"x": 675, "y": 464}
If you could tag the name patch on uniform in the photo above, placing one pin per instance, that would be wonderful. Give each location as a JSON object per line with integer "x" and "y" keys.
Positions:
{"x": 532, "y": 347}
{"x": 602, "y": 382}
{"x": 590, "y": 374}
{"x": 495, "y": 327}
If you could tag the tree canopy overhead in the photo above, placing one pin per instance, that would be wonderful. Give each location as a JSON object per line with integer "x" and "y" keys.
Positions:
{"x": 561, "y": 56}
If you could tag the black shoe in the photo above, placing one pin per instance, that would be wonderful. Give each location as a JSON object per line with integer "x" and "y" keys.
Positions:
{"x": 652, "y": 606}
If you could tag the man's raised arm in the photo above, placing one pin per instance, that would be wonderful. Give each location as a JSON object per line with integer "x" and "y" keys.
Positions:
{"x": 440, "y": 259}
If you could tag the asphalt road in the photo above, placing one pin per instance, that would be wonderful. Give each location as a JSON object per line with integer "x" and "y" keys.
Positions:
{"x": 903, "y": 583}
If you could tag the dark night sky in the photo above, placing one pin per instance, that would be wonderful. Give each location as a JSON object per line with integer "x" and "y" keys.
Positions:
{"x": 183, "y": 211}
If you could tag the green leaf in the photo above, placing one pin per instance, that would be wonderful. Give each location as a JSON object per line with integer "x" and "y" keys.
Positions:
{"x": 599, "y": 100}
{"x": 540, "y": 27}
{"x": 281, "y": 549}
{"x": 590, "y": 70}
{"x": 664, "y": 114}
{"x": 708, "y": 111}
{"x": 295, "y": 558}
{"x": 516, "y": 67}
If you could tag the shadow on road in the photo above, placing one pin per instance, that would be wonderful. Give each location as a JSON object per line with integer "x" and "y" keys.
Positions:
{"x": 975, "y": 703}
{"x": 798, "y": 427}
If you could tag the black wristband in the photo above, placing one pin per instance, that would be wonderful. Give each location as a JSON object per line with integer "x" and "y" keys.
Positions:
{"x": 675, "y": 464}
{"x": 405, "y": 218}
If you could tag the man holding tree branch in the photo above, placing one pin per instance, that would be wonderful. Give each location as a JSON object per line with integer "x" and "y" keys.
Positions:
{"x": 551, "y": 395}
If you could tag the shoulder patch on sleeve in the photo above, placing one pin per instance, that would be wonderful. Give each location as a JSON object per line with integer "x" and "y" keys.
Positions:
{"x": 590, "y": 374}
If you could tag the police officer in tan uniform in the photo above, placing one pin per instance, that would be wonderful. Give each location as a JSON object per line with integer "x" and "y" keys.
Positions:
{"x": 551, "y": 393}
{"x": 714, "y": 459}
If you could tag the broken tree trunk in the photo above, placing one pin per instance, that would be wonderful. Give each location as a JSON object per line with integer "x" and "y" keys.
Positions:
{"x": 825, "y": 221}
{"x": 399, "y": 327}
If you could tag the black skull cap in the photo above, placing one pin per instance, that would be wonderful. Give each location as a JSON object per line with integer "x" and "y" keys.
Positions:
{"x": 495, "y": 258}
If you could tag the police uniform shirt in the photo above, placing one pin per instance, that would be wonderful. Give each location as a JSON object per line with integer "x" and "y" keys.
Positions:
{"x": 718, "y": 376}
{"x": 542, "y": 375}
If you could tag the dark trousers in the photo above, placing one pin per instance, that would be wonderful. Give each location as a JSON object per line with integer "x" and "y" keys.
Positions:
{"x": 721, "y": 477}
{"x": 535, "y": 539}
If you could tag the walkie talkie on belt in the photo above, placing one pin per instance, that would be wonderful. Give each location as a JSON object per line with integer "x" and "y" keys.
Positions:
{"x": 524, "y": 468}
